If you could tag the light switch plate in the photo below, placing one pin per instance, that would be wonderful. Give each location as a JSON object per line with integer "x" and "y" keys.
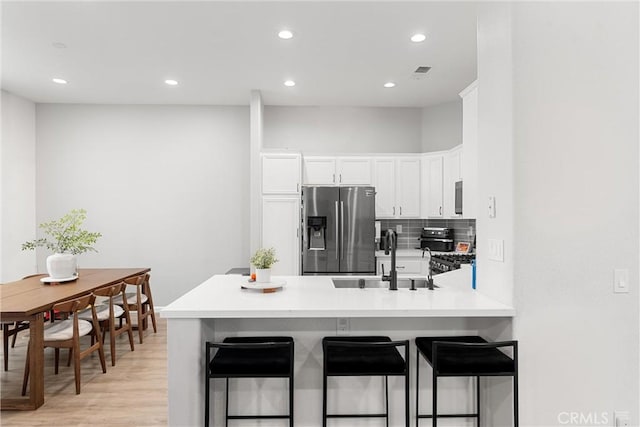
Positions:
{"x": 492, "y": 207}
{"x": 621, "y": 280}
{"x": 496, "y": 250}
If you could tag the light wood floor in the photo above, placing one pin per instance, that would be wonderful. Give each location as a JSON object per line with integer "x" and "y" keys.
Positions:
{"x": 132, "y": 393}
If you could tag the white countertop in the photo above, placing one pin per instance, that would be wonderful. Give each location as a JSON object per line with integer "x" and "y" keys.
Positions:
{"x": 315, "y": 297}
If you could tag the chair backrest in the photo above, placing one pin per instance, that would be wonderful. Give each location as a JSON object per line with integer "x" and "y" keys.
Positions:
{"x": 75, "y": 305}
{"x": 110, "y": 291}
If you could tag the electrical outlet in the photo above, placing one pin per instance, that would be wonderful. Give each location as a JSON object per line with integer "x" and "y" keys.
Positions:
{"x": 399, "y": 228}
{"x": 622, "y": 418}
{"x": 621, "y": 280}
{"x": 342, "y": 326}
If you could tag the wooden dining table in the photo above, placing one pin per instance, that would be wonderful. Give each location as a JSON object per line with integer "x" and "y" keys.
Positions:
{"x": 28, "y": 299}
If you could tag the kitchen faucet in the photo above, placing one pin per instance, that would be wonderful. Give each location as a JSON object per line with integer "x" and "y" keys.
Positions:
{"x": 390, "y": 245}
{"x": 429, "y": 275}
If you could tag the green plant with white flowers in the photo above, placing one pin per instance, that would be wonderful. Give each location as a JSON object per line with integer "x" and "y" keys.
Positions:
{"x": 65, "y": 235}
{"x": 264, "y": 258}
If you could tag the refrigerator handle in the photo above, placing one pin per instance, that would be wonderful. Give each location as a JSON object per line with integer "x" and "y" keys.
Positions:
{"x": 341, "y": 230}
{"x": 336, "y": 230}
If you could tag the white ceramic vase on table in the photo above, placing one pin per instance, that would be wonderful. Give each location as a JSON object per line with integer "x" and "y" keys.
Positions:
{"x": 263, "y": 275}
{"x": 62, "y": 266}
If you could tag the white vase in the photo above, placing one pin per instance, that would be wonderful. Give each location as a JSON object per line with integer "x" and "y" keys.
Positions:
{"x": 61, "y": 266}
{"x": 263, "y": 275}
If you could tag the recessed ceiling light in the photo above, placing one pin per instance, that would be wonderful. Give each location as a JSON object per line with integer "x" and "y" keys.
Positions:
{"x": 417, "y": 38}
{"x": 285, "y": 34}
{"x": 389, "y": 84}
{"x": 171, "y": 82}
{"x": 289, "y": 83}
{"x": 59, "y": 45}
{"x": 59, "y": 81}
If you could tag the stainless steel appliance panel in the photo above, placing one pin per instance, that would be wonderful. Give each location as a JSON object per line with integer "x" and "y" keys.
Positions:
{"x": 357, "y": 230}
{"x": 321, "y": 202}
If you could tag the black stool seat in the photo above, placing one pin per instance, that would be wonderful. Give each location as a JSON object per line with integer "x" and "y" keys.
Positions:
{"x": 363, "y": 360}
{"x": 465, "y": 356}
{"x": 261, "y": 361}
{"x": 466, "y": 361}
{"x": 249, "y": 357}
{"x": 365, "y": 356}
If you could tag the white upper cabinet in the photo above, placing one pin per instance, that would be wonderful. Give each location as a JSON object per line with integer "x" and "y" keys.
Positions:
{"x": 397, "y": 182}
{"x": 354, "y": 170}
{"x": 281, "y": 173}
{"x": 432, "y": 195}
{"x": 319, "y": 170}
{"x": 453, "y": 174}
{"x": 337, "y": 170}
{"x": 385, "y": 183}
{"x": 470, "y": 143}
{"x": 408, "y": 188}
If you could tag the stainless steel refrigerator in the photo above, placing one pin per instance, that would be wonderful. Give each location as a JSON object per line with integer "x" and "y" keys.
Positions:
{"x": 339, "y": 230}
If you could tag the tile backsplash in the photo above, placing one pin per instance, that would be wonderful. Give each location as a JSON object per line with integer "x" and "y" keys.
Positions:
{"x": 464, "y": 230}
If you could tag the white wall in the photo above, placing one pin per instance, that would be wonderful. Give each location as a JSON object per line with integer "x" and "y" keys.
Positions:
{"x": 558, "y": 105}
{"x": 18, "y": 186}
{"x": 343, "y": 129}
{"x": 442, "y": 126}
{"x": 167, "y": 186}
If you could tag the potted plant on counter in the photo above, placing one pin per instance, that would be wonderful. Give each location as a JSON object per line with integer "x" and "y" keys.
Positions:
{"x": 66, "y": 239}
{"x": 263, "y": 260}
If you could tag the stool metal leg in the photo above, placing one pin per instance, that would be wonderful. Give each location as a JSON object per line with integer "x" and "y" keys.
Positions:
{"x": 478, "y": 398}
{"x": 291, "y": 400}
{"x": 406, "y": 389}
{"x": 515, "y": 400}
{"x": 207, "y": 384}
{"x": 324, "y": 398}
{"x": 417, "y": 388}
{"x": 226, "y": 404}
{"x": 386, "y": 398}
{"x": 435, "y": 399}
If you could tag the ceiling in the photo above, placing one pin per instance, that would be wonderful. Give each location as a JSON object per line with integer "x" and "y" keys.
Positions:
{"x": 341, "y": 53}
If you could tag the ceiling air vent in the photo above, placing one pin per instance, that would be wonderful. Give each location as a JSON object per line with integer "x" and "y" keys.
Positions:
{"x": 420, "y": 72}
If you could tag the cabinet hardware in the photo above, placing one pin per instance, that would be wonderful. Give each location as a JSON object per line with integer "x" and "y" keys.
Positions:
{"x": 400, "y": 210}
{"x": 440, "y": 210}
{"x": 297, "y": 187}
{"x": 334, "y": 178}
{"x": 340, "y": 177}
{"x": 394, "y": 210}
{"x": 400, "y": 266}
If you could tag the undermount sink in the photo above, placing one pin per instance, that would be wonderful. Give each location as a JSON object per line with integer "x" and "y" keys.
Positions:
{"x": 342, "y": 283}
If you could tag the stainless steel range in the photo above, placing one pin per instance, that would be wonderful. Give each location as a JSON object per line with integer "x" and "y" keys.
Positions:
{"x": 441, "y": 263}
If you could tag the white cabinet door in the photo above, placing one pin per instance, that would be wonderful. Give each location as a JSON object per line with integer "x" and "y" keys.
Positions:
{"x": 408, "y": 188}
{"x": 354, "y": 171}
{"x": 280, "y": 230}
{"x": 280, "y": 173}
{"x": 470, "y": 143}
{"x": 319, "y": 171}
{"x": 385, "y": 183}
{"x": 433, "y": 187}
{"x": 453, "y": 174}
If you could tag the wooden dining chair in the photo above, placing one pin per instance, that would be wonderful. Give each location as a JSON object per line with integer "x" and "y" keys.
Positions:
{"x": 66, "y": 334}
{"x": 11, "y": 329}
{"x": 107, "y": 313}
{"x": 141, "y": 301}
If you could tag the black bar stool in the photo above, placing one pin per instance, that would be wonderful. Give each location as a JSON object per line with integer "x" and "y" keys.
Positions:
{"x": 249, "y": 357}
{"x": 364, "y": 356}
{"x": 469, "y": 356}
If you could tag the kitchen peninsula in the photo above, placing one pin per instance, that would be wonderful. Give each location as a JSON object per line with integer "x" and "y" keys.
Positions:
{"x": 306, "y": 309}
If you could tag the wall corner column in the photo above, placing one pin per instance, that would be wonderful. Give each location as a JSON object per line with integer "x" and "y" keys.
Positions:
{"x": 256, "y": 113}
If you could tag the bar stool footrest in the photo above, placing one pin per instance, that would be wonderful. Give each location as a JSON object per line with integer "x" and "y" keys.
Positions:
{"x": 450, "y": 416}
{"x": 356, "y": 415}
{"x": 252, "y": 417}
